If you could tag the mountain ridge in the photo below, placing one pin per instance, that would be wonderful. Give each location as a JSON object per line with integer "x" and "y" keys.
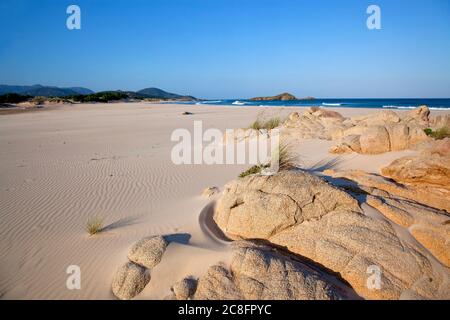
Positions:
{"x": 53, "y": 91}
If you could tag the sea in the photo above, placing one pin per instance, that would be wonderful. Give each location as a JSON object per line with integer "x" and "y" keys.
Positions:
{"x": 433, "y": 104}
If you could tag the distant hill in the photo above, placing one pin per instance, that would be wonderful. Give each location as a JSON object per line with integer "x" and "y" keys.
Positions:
{"x": 46, "y": 91}
{"x": 161, "y": 94}
{"x": 49, "y": 91}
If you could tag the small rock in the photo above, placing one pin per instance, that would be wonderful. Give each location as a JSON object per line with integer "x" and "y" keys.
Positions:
{"x": 148, "y": 251}
{"x": 185, "y": 288}
{"x": 129, "y": 281}
{"x": 209, "y": 192}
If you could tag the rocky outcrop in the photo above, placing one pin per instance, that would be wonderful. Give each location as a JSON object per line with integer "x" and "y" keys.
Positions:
{"x": 130, "y": 280}
{"x": 428, "y": 226}
{"x": 375, "y": 133}
{"x": 424, "y": 178}
{"x": 260, "y": 272}
{"x": 315, "y": 122}
{"x": 380, "y": 139}
{"x": 148, "y": 251}
{"x": 430, "y": 168}
{"x": 309, "y": 217}
{"x": 440, "y": 121}
{"x": 281, "y": 97}
{"x": 430, "y": 196}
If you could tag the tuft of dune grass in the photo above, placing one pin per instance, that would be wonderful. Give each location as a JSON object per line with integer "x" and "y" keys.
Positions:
{"x": 269, "y": 124}
{"x": 94, "y": 225}
{"x": 287, "y": 160}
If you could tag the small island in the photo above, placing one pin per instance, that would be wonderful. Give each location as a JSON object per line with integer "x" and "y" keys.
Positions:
{"x": 281, "y": 97}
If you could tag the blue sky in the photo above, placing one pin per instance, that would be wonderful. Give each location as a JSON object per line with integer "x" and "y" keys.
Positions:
{"x": 231, "y": 48}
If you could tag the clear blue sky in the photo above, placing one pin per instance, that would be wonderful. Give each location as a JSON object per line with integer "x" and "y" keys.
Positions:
{"x": 231, "y": 48}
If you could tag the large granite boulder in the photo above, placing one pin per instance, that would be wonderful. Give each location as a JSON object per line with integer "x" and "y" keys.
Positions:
{"x": 419, "y": 115}
{"x": 381, "y": 138}
{"x": 261, "y": 272}
{"x": 315, "y": 122}
{"x": 308, "y": 217}
{"x": 375, "y": 140}
{"x": 430, "y": 227}
{"x": 262, "y": 206}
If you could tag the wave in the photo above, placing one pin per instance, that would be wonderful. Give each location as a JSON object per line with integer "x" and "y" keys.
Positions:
{"x": 415, "y": 107}
{"x": 399, "y": 107}
{"x": 211, "y": 101}
{"x": 331, "y": 104}
{"x": 238, "y": 103}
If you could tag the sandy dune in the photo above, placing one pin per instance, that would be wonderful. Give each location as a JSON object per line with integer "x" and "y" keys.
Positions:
{"x": 61, "y": 166}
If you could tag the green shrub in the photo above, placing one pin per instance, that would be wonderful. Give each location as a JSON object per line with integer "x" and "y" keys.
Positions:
{"x": 428, "y": 131}
{"x": 439, "y": 134}
{"x": 105, "y": 96}
{"x": 13, "y": 98}
{"x": 253, "y": 170}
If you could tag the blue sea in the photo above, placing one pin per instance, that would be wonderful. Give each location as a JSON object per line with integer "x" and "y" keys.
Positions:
{"x": 433, "y": 104}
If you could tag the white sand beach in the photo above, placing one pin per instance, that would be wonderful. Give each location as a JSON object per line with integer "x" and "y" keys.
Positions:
{"x": 61, "y": 166}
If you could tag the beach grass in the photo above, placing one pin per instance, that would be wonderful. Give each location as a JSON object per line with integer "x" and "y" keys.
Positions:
{"x": 94, "y": 225}
{"x": 287, "y": 160}
{"x": 439, "y": 134}
{"x": 269, "y": 124}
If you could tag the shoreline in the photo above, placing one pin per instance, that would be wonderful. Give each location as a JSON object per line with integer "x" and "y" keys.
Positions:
{"x": 345, "y": 110}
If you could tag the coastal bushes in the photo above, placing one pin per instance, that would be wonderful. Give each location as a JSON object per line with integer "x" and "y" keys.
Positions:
{"x": 105, "y": 96}
{"x": 13, "y": 98}
{"x": 439, "y": 134}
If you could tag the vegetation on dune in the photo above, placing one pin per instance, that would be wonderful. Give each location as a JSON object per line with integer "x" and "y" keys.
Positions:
{"x": 439, "y": 134}
{"x": 287, "y": 160}
{"x": 94, "y": 225}
{"x": 270, "y": 124}
{"x": 13, "y": 98}
{"x": 105, "y": 96}
{"x": 253, "y": 170}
